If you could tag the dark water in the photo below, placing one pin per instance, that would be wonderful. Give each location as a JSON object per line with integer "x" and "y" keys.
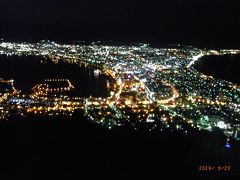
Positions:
{"x": 5, "y": 87}
{"x": 27, "y": 71}
{"x": 223, "y": 67}
{"x": 74, "y": 148}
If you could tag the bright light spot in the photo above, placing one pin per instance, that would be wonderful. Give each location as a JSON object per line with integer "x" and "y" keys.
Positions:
{"x": 228, "y": 145}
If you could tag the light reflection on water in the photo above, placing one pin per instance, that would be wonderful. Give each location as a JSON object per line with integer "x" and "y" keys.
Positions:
{"x": 28, "y": 71}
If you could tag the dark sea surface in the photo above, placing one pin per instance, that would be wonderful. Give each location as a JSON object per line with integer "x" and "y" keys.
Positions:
{"x": 27, "y": 71}
{"x": 222, "y": 67}
{"x": 53, "y": 148}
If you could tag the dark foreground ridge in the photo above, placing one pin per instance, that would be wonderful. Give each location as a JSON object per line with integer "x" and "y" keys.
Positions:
{"x": 74, "y": 148}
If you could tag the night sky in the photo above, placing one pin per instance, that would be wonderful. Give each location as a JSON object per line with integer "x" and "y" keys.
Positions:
{"x": 196, "y": 22}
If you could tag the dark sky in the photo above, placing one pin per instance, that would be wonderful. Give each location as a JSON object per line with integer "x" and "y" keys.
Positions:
{"x": 207, "y": 22}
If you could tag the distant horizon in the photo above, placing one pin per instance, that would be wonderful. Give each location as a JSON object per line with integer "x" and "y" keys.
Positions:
{"x": 150, "y": 43}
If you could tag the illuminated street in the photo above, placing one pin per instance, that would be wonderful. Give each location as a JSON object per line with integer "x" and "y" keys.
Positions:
{"x": 148, "y": 87}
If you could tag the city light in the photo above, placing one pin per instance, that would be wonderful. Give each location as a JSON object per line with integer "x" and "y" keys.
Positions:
{"x": 154, "y": 87}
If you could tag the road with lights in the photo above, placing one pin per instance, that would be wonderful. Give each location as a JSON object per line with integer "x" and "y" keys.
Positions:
{"x": 155, "y": 88}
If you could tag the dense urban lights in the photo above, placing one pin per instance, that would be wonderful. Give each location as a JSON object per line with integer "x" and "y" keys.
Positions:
{"x": 149, "y": 87}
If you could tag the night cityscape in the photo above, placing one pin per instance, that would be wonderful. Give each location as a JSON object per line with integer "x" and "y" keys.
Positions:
{"x": 82, "y": 98}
